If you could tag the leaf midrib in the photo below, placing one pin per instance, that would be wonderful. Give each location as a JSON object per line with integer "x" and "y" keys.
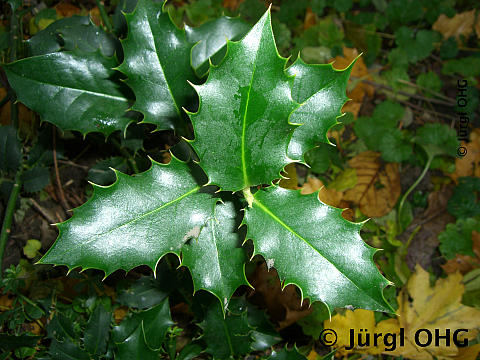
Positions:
{"x": 98, "y": 94}
{"x": 96, "y": 236}
{"x": 244, "y": 125}
{"x": 283, "y": 224}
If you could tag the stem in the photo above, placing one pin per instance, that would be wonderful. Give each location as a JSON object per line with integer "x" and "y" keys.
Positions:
{"x": 248, "y": 196}
{"x": 414, "y": 185}
{"x": 7, "y": 221}
{"x": 127, "y": 155}
{"x": 103, "y": 14}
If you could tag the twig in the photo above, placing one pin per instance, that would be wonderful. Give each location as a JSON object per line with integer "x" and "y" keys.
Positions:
{"x": 419, "y": 108}
{"x": 7, "y": 221}
{"x": 437, "y": 94}
{"x": 42, "y": 211}
{"x": 415, "y": 96}
{"x": 71, "y": 163}
{"x": 61, "y": 194}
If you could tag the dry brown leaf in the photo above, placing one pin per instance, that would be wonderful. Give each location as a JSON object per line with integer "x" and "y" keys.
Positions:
{"x": 460, "y": 24}
{"x": 470, "y": 164}
{"x": 378, "y": 186}
{"x": 468, "y": 353}
{"x": 284, "y": 306}
{"x": 310, "y": 19}
{"x": 95, "y": 15}
{"x": 465, "y": 263}
{"x": 232, "y": 4}
{"x": 66, "y": 9}
{"x": 291, "y": 180}
{"x": 359, "y": 71}
{"x": 119, "y": 313}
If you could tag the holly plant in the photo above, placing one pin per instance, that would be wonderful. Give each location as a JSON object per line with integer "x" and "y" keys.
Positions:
{"x": 254, "y": 117}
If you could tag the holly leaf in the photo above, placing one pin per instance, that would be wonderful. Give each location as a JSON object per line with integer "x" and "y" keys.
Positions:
{"x": 210, "y": 41}
{"x": 286, "y": 354}
{"x": 97, "y": 331}
{"x": 134, "y": 347}
{"x": 153, "y": 213}
{"x": 79, "y": 91}
{"x": 321, "y": 91}
{"x": 157, "y": 65}
{"x": 247, "y": 98}
{"x": 10, "y": 149}
{"x": 294, "y": 232}
{"x": 215, "y": 257}
{"x": 226, "y": 336}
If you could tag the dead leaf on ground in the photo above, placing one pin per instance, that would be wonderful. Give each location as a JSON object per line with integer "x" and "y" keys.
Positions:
{"x": 465, "y": 263}
{"x": 438, "y": 307}
{"x": 232, "y": 4}
{"x": 283, "y": 305}
{"x": 291, "y": 180}
{"x": 360, "y": 89}
{"x": 420, "y": 307}
{"x": 470, "y": 164}
{"x": 432, "y": 222}
{"x": 460, "y": 24}
{"x": 378, "y": 185}
{"x": 66, "y": 9}
{"x": 330, "y": 197}
{"x": 95, "y": 15}
{"x": 310, "y": 19}
{"x": 25, "y": 115}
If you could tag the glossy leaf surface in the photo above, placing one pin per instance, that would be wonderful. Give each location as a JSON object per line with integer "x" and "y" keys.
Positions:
{"x": 321, "y": 91}
{"x": 210, "y": 40}
{"x": 226, "y": 337}
{"x": 72, "y": 90}
{"x": 313, "y": 247}
{"x": 134, "y": 347}
{"x": 241, "y": 127}
{"x": 157, "y": 63}
{"x": 97, "y": 331}
{"x": 215, "y": 258}
{"x": 135, "y": 221}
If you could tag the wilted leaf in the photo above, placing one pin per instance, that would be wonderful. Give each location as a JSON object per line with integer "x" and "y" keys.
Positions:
{"x": 378, "y": 186}
{"x": 460, "y": 24}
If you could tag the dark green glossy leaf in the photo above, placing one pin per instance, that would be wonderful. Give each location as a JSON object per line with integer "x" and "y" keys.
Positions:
{"x": 61, "y": 328}
{"x": 321, "y": 91}
{"x": 295, "y": 232}
{"x": 155, "y": 323}
{"x": 241, "y": 127}
{"x": 10, "y": 149}
{"x": 35, "y": 179}
{"x": 67, "y": 350}
{"x": 143, "y": 294}
{"x": 102, "y": 174}
{"x": 214, "y": 255}
{"x": 88, "y": 38}
{"x": 71, "y": 90}
{"x": 47, "y": 41}
{"x": 135, "y": 221}
{"x": 225, "y": 337}
{"x": 157, "y": 65}
{"x": 12, "y": 342}
{"x": 97, "y": 331}
{"x": 190, "y": 351}
{"x": 210, "y": 40}
{"x": 134, "y": 348}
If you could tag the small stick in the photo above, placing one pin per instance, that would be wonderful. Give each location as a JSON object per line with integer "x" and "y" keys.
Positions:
{"x": 42, "y": 211}
{"x": 63, "y": 200}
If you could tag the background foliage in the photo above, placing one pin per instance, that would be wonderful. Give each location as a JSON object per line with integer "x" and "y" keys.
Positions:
{"x": 396, "y": 162}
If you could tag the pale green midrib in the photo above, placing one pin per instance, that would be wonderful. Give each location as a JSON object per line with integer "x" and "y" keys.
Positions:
{"x": 96, "y": 236}
{"x": 277, "y": 219}
{"x": 98, "y": 94}
{"x": 214, "y": 239}
{"x": 163, "y": 70}
{"x": 229, "y": 340}
{"x": 244, "y": 127}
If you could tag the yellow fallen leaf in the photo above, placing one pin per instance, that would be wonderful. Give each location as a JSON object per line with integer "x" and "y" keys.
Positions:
{"x": 460, "y": 24}
{"x": 423, "y": 310}
{"x": 378, "y": 185}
